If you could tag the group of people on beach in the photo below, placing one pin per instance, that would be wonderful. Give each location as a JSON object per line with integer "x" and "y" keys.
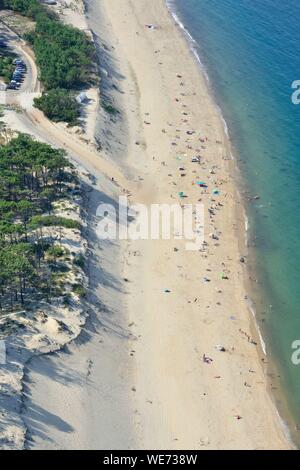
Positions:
{"x": 190, "y": 146}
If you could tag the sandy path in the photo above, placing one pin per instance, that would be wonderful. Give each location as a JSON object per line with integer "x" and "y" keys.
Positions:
{"x": 92, "y": 375}
{"x": 155, "y": 391}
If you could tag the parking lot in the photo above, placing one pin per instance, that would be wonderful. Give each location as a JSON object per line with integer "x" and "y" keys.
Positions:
{"x": 9, "y": 46}
{"x": 18, "y": 75}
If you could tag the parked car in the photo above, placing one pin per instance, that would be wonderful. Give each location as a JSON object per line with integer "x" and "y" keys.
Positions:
{"x": 18, "y": 72}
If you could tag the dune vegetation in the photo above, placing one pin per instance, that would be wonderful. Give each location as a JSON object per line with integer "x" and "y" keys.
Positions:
{"x": 6, "y": 67}
{"x": 33, "y": 177}
{"x": 64, "y": 56}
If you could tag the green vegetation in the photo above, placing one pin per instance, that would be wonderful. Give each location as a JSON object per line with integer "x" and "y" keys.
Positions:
{"x": 109, "y": 108}
{"x": 53, "y": 221}
{"x": 79, "y": 261}
{"x": 32, "y": 177}
{"x": 59, "y": 105}
{"x": 62, "y": 52}
{"x": 55, "y": 252}
{"x": 6, "y": 67}
{"x": 78, "y": 289}
{"x": 30, "y": 8}
{"x": 64, "y": 57}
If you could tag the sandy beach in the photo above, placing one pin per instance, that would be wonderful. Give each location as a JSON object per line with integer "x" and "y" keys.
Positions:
{"x": 136, "y": 377}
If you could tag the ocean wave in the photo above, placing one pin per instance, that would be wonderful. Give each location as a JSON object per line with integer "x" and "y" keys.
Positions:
{"x": 194, "y": 49}
{"x": 193, "y": 44}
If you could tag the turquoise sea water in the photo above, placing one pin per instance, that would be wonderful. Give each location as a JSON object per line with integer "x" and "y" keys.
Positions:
{"x": 251, "y": 50}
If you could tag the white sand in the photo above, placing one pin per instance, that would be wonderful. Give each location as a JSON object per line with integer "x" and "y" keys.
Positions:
{"x": 136, "y": 378}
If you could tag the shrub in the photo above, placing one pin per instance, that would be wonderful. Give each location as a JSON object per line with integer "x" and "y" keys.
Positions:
{"x": 55, "y": 251}
{"x": 6, "y": 68}
{"x": 78, "y": 289}
{"x": 30, "y": 8}
{"x": 52, "y": 220}
{"x": 79, "y": 261}
{"x": 59, "y": 105}
{"x": 110, "y": 109}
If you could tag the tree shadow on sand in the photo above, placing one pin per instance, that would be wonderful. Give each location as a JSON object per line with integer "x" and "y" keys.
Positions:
{"x": 106, "y": 288}
{"x": 38, "y": 421}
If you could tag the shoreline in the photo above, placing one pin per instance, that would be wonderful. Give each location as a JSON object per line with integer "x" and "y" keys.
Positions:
{"x": 253, "y": 320}
{"x": 167, "y": 346}
{"x": 241, "y": 211}
{"x": 278, "y": 395}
